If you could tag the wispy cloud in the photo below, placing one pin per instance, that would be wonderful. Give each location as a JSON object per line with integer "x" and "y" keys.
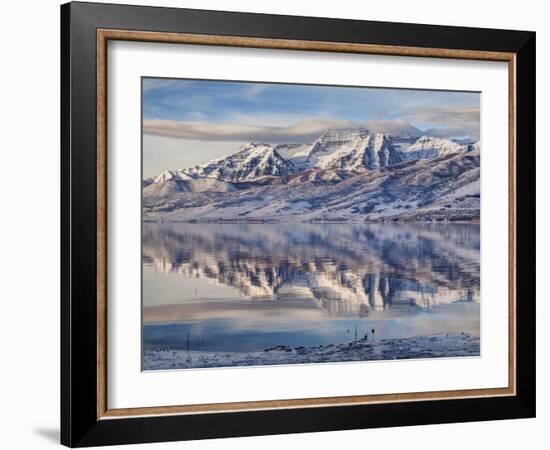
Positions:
{"x": 443, "y": 114}
{"x": 185, "y": 118}
{"x": 298, "y": 132}
{"x": 446, "y": 121}
{"x": 303, "y": 131}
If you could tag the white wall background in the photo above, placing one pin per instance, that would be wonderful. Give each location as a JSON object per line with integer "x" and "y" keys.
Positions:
{"x": 29, "y": 225}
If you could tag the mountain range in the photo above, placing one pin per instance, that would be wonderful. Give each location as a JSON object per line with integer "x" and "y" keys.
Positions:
{"x": 346, "y": 174}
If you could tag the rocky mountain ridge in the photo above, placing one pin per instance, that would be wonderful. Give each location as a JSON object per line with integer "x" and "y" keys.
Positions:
{"x": 344, "y": 175}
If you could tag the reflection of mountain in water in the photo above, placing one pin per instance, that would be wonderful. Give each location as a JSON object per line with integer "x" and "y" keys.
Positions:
{"x": 344, "y": 268}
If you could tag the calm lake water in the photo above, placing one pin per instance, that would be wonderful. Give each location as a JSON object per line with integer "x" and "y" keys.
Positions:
{"x": 247, "y": 287}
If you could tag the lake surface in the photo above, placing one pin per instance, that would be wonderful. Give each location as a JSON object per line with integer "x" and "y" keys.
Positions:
{"x": 248, "y": 287}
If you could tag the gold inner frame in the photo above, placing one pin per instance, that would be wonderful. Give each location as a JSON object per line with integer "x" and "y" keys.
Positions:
{"x": 104, "y": 35}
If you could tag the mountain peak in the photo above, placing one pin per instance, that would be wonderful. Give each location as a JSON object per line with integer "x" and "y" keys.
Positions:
{"x": 476, "y": 146}
{"x": 174, "y": 175}
{"x": 432, "y": 147}
{"x": 250, "y": 162}
{"x": 256, "y": 146}
{"x": 443, "y": 145}
{"x": 334, "y": 140}
{"x": 344, "y": 149}
{"x": 370, "y": 151}
{"x": 339, "y": 135}
{"x": 396, "y": 129}
{"x": 258, "y": 149}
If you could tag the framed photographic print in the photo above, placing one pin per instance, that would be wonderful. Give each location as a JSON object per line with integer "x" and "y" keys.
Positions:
{"x": 277, "y": 224}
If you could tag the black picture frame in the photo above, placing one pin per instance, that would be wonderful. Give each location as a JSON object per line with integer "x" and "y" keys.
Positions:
{"x": 80, "y": 425}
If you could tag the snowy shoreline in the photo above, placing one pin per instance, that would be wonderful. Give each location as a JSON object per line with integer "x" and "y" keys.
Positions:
{"x": 472, "y": 221}
{"x": 432, "y": 346}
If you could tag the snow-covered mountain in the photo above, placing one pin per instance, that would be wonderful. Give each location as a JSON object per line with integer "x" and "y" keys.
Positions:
{"x": 171, "y": 175}
{"x": 171, "y": 182}
{"x": 431, "y": 147}
{"x": 344, "y": 149}
{"x": 167, "y": 183}
{"x": 366, "y": 152}
{"x": 340, "y": 149}
{"x": 252, "y": 161}
{"x": 346, "y": 174}
{"x": 476, "y": 146}
{"x": 331, "y": 141}
{"x": 305, "y": 156}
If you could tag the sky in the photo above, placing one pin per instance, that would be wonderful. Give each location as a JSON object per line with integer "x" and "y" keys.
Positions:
{"x": 190, "y": 122}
